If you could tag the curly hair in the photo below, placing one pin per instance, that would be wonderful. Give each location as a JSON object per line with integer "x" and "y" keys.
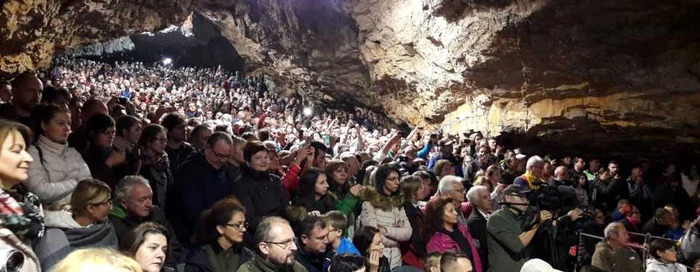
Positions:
{"x": 433, "y": 222}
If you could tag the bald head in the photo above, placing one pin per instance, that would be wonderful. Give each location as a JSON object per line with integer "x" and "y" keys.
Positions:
{"x": 26, "y": 92}
{"x": 560, "y": 173}
{"x": 92, "y": 107}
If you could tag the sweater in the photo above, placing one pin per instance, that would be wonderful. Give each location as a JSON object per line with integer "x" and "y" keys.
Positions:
{"x": 56, "y": 171}
{"x": 64, "y": 235}
{"x": 607, "y": 259}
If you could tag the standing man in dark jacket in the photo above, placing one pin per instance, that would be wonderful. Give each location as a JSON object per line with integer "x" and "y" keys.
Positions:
{"x": 178, "y": 150}
{"x": 201, "y": 181}
{"x": 481, "y": 201}
{"x": 26, "y": 94}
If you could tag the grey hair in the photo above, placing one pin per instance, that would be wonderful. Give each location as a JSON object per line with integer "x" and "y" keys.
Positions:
{"x": 532, "y": 161}
{"x": 447, "y": 183}
{"x": 560, "y": 169}
{"x": 238, "y": 140}
{"x": 121, "y": 192}
{"x": 611, "y": 229}
{"x": 472, "y": 194}
{"x": 262, "y": 233}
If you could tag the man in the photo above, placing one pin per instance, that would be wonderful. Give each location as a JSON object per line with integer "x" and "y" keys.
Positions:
{"x": 612, "y": 254}
{"x": 507, "y": 240}
{"x": 200, "y": 182}
{"x": 79, "y": 138}
{"x": 319, "y": 155}
{"x": 532, "y": 178}
{"x": 673, "y": 193}
{"x": 579, "y": 167}
{"x": 26, "y": 94}
{"x": 236, "y": 160}
{"x": 638, "y": 192}
{"x": 446, "y": 149}
{"x": 353, "y": 164}
{"x": 451, "y": 262}
{"x": 312, "y": 243}
{"x": 275, "y": 248}
{"x": 133, "y": 205}
{"x": 199, "y": 136}
{"x": 178, "y": 150}
{"x": 561, "y": 177}
{"x": 480, "y": 163}
{"x": 5, "y": 91}
{"x": 593, "y": 168}
{"x": 452, "y": 187}
{"x": 480, "y": 199}
{"x": 658, "y": 225}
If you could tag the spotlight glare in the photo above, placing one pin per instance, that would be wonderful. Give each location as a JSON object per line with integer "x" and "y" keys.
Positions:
{"x": 308, "y": 111}
{"x": 167, "y": 61}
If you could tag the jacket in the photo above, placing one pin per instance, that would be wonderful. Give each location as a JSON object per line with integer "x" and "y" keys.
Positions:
{"x": 625, "y": 260}
{"x": 413, "y": 250}
{"x": 64, "y": 235}
{"x": 56, "y": 171}
{"x": 159, "y": 177}
{"x": 123, "y": 223}
{"x": 476, "y": 224}
{"x": 441, "y": 242}
{"x": 8, "y": 239}
{"x": 388, "y": 212}
{"x": 258, "y": 264}
{"x": 262, "y": 195}
{"x": 200, "y": 259}
{"x": 654, "y": 265}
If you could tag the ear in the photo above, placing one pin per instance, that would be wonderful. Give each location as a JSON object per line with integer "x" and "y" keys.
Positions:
{"x": 304, "y": 239}
{"x": 220, "y": 229}
{"x": 43, "y": 126}
{"x": 264, "y": 248}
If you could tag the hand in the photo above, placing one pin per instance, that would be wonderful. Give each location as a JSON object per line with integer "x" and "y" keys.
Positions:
{"x": 544, "y": 216}
{"x": 500, "y": 187}
{"x": 374, "y": 260}
{"x": 401, "y": 223}
{"x": 116, "y": 158}
{"x": 314, "y": 213}
{"x": 355, "y": 190}
{"x": 575, "y": 214}
{"x": 686, "y": 224}
{"x": 382, "y": 229}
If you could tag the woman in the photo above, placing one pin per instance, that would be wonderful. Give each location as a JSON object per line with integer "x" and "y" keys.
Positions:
{"x": 340, "y": 186}
{"x": 21, "y": 220}
{"x": 154, "y": 162}
{"x": 148, "y": 245}
{"x": 59, "y": 167}
{"x": 445, "y": 233}
{"x": 581, "y": 189}
{"x": 219, "y": 238}
{"x": 368, "y": 240}
{"x": 97, "y": 259}
{"x": 664, "y": 257}
{"x": 313, "y": 196}
{"x": 129, "y": 130}
{"x": 85, "y": 225}
{"x": 444, "y": 168}
{"x": 259, "y": 191}
{"x": 106, "y": 162}
{"x": 383, "y": 209}
{"x": 413, "y": 250}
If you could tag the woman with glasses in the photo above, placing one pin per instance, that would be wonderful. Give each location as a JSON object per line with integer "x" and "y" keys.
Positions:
{"x": 444, "y": 233}
{"x": 154, "y": 162}
{"x": 58, "y": 167}
{"x": 147, "y": 244}
{"x": 219, "y": 239}
{"x": 107, "y": 163}
{"x": 84, "y": 225}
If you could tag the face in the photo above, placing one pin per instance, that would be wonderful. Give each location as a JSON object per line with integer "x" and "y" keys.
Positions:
{"x": 668, "y": 256}
{"x": 392, "y": 182}
{"x": 281, "y": 248}
{"x": 537, "y": 170}
{"x": 5, "y": 92}
{"x": 449, "y": 214}
{"x": 237, "y": 153}
{"x": 340, "y": 175}
{"x": 594, "y": 165}
{"x": 462, "y": 264}
{"x": 274, "y": 164}
{"x": 14, "y": 159}
{"x": 613, "y": 168}
{"x": 599, "y": 217}
{"x": 179, "y": 132}
{"x": 259, "y": 161}
{"x": 317, "y": 241}
{"x": 134, "y": 133}
{"x": 28, "y": 95}
{"x": 482, "y": 151}
{"x": 151, "y": 254}
{"x": 334, "y": 234}
{"x": 666, "y": 219}
{"x": 517, "y": 199}
{"x": 580, "y": 164}
{"x": 376, "y": 243}
{"x": 100, "y": 208}
{"x": 321, "y": 185}
{"x": 492, "y": 144}
{"x": 58, "y": 128}
{"x": 235, "y": 228}
{"x": 458, "y": 193}
{"x": 219, "y": 153}
{"x": 203, "y": 136}
{"x": 622, "y": 236}
{"x": 426, "y": 189}
{"x": 159, "y": 143}
{"x": 139, "y": 201}
{"x": 320, "y": 159}
{"x": 484, "y": 200}
{"x": 106, "y": 138}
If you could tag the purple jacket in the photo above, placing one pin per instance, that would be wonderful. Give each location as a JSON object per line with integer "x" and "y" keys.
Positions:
{"x": 441, "y": 242}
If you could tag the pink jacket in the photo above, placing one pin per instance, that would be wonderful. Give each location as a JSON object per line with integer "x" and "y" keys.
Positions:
{"x": 441, "y": 242}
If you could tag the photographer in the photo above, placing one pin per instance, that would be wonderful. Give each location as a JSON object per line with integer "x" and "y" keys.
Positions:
{"x": 507, "y": 238}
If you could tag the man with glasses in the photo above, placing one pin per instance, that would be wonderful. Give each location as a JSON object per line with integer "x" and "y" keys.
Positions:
{"x": 201, "y": 181}
{"x": 533, "y": 174}
{"x": 313, "y": 241}
{"x": 453, "y": 187}
{"x": 507, "y": 240}
{"x": 275, "y": 247}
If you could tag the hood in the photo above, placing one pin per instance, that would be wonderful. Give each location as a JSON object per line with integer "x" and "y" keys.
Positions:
{"x": 381, "y": 202}
{"x": 60, "y": 219}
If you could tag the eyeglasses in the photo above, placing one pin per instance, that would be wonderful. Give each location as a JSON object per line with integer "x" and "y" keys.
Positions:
{"x": 219, "y": 155}
{"x": 283, "y": 245}
{"x": 108, "y": 202}
{"x": 239, "y": 226}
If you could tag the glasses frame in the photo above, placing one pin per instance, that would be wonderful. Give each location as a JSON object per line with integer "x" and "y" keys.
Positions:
{"x": 240, "y": 226}
{"x": 283, "y": 245}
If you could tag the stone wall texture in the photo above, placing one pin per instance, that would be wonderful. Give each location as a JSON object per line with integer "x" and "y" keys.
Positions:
{"x": 582, "y": 73}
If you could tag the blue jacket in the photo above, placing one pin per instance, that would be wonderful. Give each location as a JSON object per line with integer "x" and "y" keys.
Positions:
{"x": 346, "y": 246}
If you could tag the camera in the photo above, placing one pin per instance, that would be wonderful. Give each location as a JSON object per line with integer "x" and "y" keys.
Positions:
{"x": 11, "y": 259}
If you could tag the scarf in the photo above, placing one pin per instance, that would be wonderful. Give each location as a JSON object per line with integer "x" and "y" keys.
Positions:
{"x": 531, "y": 180}
{"x": 158, "y": 162}
{"x": 21, "y": 213}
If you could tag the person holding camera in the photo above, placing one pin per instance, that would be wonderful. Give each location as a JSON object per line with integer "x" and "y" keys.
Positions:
{"x": 507, "y": 238}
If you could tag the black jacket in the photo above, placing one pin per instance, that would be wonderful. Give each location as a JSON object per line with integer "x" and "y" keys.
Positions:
{"x": 159, "y": 178}
{"x": 312, "y": 262}
{"x": 262, "y": 195}
{"x": 198, "y": 260}
{"x": 477, "y": 227}
{"x": 415, "y": 245}
{"x": 668, "y": 194}
{"x": 123, "y": 223}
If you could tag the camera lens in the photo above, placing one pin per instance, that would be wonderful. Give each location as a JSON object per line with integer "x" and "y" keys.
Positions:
{"x": 14, "y": 262}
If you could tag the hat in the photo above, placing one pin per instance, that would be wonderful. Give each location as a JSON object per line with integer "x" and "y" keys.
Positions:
{"x": 516, "y": 189}
{"x": 537, "y": 265}
{"x": 444, "y": 141}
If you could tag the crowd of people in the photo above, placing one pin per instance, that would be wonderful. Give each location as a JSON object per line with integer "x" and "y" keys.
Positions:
{"x": 156, "y": 168}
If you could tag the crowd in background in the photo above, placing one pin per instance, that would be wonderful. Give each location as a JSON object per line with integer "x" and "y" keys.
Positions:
{"x": 185, "y": 169}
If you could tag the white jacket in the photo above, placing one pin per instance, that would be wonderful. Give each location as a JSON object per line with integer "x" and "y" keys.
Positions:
{"x": 658, "y": 266}
{"x": 389, "y": 213}
{"x": 54, "y": 175}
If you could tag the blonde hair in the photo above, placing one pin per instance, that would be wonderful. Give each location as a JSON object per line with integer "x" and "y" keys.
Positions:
{"x": 97, "y": 259}
{"x": 484, "y": 181}
{"x": 89, "y": 191}
{"x": 7, "y": 128}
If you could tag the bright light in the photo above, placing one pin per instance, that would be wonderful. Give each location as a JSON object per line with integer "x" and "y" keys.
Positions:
{"x": 308, "y": 111}
{"x": 167, "y": 61}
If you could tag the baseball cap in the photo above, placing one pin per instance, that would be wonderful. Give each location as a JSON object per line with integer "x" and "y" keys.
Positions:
{"x": 515, "y": 189}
